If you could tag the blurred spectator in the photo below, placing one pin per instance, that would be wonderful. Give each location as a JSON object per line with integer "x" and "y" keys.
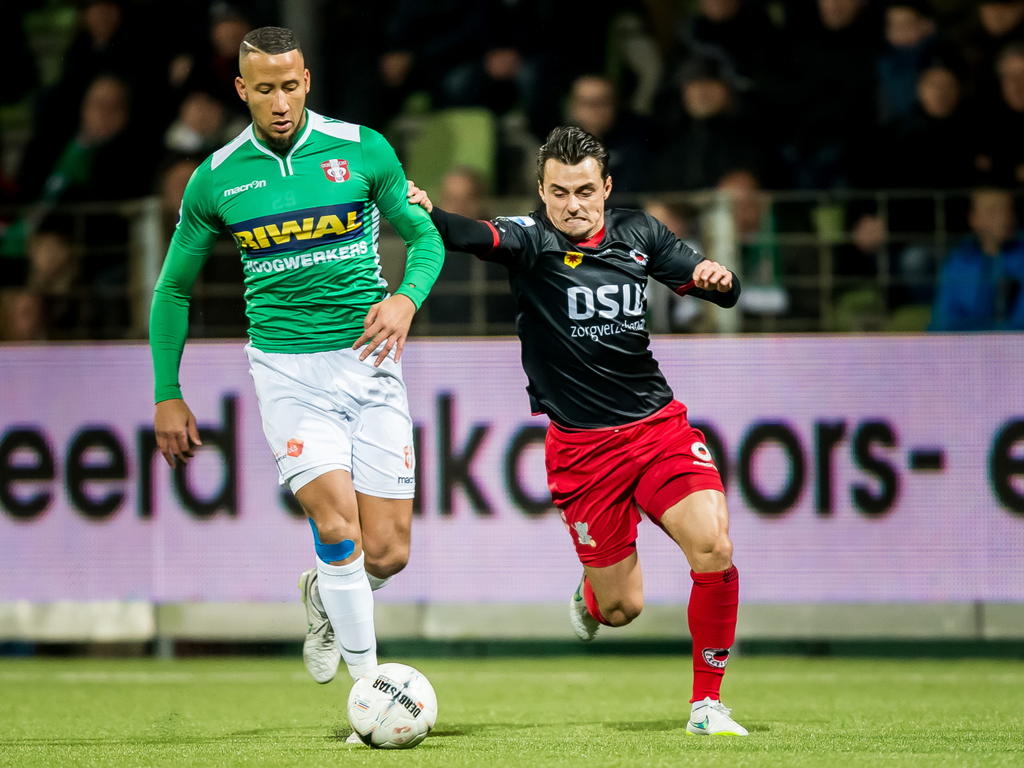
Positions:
{"x": 910, "y": 39}
{"x": 1000, "y": 143}
{"x": 21, "y": 316}
{"x": 498, "y": 54}
{"x": 667, "y": 311}
{"x": 54, "y": 275}
{"x": 425, "y": 42}
{"x": 594, "y": 107}
{"x": 999, "y": 23}
{"x": 213, "y": 66}
{"x": 105, "y": 160}
{"x": 171, "y": 188}
{"x": 202, "y": 127}
{"x": 462, "y": 192}
{"x": 712, "y": 136}
{"x": 739, "y": 30}
{"x": 104, "y": 44}
{"x": 759, "y": 261}
{"x": 934, "y": 146}
{"x": 825, "y": 92}
{"x": 980, "y": 283}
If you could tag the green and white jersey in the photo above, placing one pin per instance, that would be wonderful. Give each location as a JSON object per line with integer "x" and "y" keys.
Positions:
{"x": 306, "y": 224}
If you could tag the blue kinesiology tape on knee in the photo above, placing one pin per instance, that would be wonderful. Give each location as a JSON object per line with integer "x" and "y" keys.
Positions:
{"x": 331, "y": 553}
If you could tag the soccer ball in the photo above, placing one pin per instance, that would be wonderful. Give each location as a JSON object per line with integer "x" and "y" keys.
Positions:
{"x": 394, "y": 708}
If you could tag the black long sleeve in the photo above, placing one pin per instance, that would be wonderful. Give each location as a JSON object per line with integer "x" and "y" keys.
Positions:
{"x": 461, "y": 233}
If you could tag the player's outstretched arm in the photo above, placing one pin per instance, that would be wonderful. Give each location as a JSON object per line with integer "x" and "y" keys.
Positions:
{"x": 459, "y": 233}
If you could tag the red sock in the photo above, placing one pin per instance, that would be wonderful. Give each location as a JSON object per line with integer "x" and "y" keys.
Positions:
{"x": 712, "y": 618}
{"x": 591, "y": 600}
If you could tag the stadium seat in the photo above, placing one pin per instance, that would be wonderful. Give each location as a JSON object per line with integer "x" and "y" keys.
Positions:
{"x": 910, "y": 319}
{"x": 448, "y": 139}
{"x": 860, "y": 311}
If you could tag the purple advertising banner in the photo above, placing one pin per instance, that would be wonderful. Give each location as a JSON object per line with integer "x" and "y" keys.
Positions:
{"x": 857, "y": 469}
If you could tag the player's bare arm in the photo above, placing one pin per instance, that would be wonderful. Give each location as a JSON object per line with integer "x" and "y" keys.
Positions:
{"x": 386, "y": 328}
{"x": 177, "y": 433}
{"x": 712, "y": 276}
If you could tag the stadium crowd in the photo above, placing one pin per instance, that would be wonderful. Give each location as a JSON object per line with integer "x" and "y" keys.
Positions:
{"x": 841, "y": 97}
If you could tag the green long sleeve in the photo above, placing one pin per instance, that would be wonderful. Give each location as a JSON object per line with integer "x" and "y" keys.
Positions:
{"x": 424, "y": 249}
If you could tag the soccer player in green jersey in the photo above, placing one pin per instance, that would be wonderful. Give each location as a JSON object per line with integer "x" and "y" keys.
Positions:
{"x": 302, "y": 195}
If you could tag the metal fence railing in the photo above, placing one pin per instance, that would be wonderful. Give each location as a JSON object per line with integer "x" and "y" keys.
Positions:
{"x": 809, "y": 261}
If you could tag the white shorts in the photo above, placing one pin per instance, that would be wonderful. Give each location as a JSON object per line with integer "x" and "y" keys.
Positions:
{"x": 331, "y": 410}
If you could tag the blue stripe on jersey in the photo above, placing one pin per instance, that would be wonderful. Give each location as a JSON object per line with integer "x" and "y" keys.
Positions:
{"x": 299, "y": 230}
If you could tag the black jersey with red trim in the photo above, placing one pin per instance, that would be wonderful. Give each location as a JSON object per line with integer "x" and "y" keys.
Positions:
{"x": 581, "y": 312}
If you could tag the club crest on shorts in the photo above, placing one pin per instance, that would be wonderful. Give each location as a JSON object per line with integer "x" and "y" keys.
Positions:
{"x": 573, "y": 259}
{"x": 295, "y": 447}
{"x": 407, "y": 456}
{"x": 583, "y": 535}
{"x": 716, "y": 657}
{"x": 335, "y": 170}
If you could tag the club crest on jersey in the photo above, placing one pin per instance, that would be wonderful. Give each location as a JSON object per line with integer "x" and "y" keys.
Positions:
{"x": 573, "y": 259}
{"x": 638, "y": 256}
{"x": 583, "y": 535}
{"x": 336, "y": 170}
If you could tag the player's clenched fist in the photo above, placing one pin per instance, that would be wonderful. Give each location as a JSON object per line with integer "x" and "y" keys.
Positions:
{"x": 712, "y": 276}
{"x": 176, "y": 431}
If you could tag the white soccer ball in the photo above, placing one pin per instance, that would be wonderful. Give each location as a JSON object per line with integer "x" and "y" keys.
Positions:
{"x": 394, "y": 708}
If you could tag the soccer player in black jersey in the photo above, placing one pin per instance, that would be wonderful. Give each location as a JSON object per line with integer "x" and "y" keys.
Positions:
{"x": 618, "y": 443}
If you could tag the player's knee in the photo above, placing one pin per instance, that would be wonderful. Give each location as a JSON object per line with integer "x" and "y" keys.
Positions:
{"x": 623, "y": 611}
{"x": 335, "y": 539}
{"x": 714, "y": 554}
{"x": 388, "y": 560}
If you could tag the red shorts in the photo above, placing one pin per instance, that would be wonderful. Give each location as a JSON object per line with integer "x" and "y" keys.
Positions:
{"x": 601, "y": 478}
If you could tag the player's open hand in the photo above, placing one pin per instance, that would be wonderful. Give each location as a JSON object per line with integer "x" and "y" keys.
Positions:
{"x": 712, "y": 276}
{"x": 417, "y": 196}
{"x": 386, "y": 327}
{"x": 176, "y": 431}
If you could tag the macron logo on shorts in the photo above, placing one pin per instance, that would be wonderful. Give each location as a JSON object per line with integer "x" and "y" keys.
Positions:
{"x": 295, "y": 447}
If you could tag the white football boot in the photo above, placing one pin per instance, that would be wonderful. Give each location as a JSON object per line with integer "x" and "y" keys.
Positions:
{"x": 712, "y": 718}
{"x": 583, "y": 624}
{"x": 320, "y": 652}
{"x": 353, "y": 738}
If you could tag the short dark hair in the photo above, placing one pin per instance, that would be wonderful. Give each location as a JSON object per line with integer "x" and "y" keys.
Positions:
{"x": 571, "y": 145}
{"x": 268, "y": 40}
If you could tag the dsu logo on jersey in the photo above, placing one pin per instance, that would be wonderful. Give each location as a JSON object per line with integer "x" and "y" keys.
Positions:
{"x": 607, "y": 301}
{"x": 290, "y": 231}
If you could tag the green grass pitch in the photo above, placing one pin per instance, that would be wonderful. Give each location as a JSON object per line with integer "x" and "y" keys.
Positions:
{"x": 588, "y": 711}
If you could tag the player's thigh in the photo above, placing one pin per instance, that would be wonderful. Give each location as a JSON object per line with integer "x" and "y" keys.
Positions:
{"x": 383, "y": 457}
{"x": 303, "y": 426}
{"x": 386, "y": 526}
{"x": 699, "y": 524}
{"x": 618, "y": 587}
{"x": 329, "y": 500}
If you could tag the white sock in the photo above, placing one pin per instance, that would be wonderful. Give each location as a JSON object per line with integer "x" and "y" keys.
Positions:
{"x": 376, "y": 582}
{"x": 348, "y": 601}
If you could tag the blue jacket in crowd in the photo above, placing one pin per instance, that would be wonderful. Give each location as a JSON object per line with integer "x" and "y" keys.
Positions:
{"x": 979, "y": 292}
